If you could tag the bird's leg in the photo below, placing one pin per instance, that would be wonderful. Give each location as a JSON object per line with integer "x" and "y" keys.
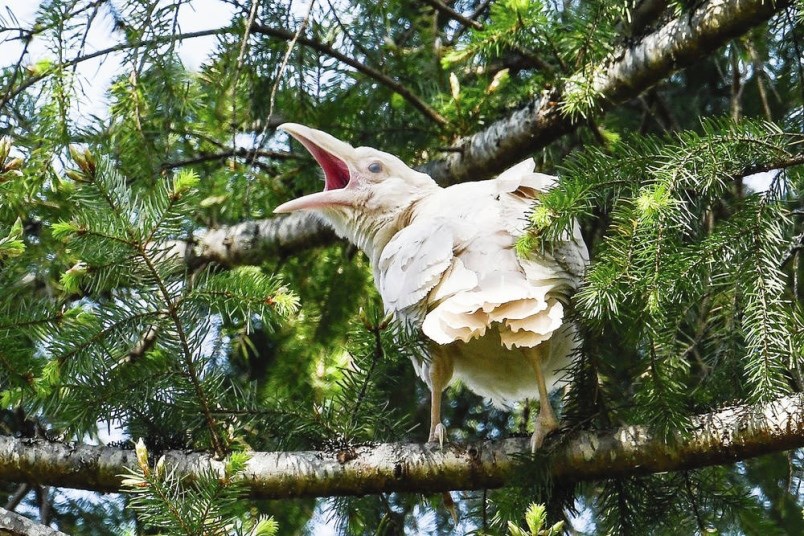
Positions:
{"x": 546, "y": 420}
{"x": 439, "y": 374}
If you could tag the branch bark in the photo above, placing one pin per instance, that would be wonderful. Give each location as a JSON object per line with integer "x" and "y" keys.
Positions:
{"x": 451, "y": 13}
{"x": 252, "y": 242}
{"x": 721, "y": 437}
{"x": 677, "y": 44}
{"x": 12, "y": 92}
{"x": 415, "y": 101}
{"x": 15, "y": 524}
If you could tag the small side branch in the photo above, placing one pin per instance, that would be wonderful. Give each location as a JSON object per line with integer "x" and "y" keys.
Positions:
{"x": 451, "y": 13}
{"x": 371, "y": 72}
{"x": 240, "y": 152}
{"x": 717, "y": 438}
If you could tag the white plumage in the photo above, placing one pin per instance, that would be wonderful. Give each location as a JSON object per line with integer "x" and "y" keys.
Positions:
{"x": 444, "y": 260}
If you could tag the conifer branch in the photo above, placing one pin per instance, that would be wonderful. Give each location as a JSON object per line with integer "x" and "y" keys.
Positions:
{"x": 451, "y": 13}
{"x": 252, "y": 242}
{"x": 716, "y": 438}
{"x": 678, "y": 44}
{"x": 240, "y": 152}
{"x": 13, "y": 91}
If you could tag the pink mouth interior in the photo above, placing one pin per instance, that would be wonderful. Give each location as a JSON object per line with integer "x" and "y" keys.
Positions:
{"x": 336, "y": 172}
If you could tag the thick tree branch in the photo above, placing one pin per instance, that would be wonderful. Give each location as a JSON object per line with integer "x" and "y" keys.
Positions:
{"x": 716, "y": 438}
{"x": 253, "y": 242}
{"x": 677, "y": 44}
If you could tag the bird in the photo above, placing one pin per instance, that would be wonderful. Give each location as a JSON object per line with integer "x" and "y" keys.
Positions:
{"x": 444, "y": 262}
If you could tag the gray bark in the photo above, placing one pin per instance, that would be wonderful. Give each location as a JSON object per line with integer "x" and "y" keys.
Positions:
{"x": 14, "y": 524}
{"x": 252, "y": 242}
{"x": 721, "y": 437}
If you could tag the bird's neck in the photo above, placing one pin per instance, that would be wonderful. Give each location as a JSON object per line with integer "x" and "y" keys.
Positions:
{"x": 372, "y": 233}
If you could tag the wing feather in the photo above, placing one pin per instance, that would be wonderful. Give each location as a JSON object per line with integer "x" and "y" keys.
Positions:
{"x": 412, "y": 263}
{"x": 454, "y": 268}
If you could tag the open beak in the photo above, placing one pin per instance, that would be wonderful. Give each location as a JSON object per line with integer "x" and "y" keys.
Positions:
{"x": 332, "y": 155}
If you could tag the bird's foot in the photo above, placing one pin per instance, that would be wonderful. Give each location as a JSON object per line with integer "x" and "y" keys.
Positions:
{"x": 439, "y": 433}
{"x": 544, "y": 427}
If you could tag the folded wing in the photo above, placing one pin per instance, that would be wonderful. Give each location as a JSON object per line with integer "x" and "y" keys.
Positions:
{"x": 454, "y": 269}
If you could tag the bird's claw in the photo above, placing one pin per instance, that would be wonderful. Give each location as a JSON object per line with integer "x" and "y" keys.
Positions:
{"x": 536, "y": 440}
{"x": 438, "y": 433}
{"x": 543, "y": 429}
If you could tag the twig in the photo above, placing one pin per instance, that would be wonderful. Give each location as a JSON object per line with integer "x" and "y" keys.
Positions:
{"x": 377, "y": 355}
{"x": 474, "y": 16}
{"x": 18, "y": 496}
{"x": 241, "y": 152}
{"x": 371, "y": 72}
{"x": 795, "y": 247}
{"x": 760, "y": 74}
{"x": 451, "y": 13}
{"x": 238, "y": 66}
{"x": 145, "y": 343}
{"x": 10, "y": 94}
{"x": 283, "y": 66}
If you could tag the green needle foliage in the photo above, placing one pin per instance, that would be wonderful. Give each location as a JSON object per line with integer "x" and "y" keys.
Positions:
{"x": 678, "y": 260}
{"x": 211, "y": 505}
{"x": 117, "y": 324}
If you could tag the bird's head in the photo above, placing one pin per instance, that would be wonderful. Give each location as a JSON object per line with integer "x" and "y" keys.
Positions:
{"x": 366, "y": 191}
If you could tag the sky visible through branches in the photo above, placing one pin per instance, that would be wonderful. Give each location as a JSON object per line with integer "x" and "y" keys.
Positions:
{"x": 218, "y": 110}
{"x": 95, "y": 75}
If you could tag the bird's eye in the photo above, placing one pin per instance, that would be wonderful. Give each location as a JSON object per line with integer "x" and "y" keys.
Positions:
{"x": 375, "y": 167}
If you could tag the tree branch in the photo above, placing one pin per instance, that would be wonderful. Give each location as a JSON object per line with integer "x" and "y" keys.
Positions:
{"x": 371, "y": 72}
{"x": 679, "y": 43}
{"x": 240, "y": 152}
{"x": 716, "y": 438}
{"x": 252, "y": 242}
{"x": 15, "y": 524}
{"x": 452, "y": 14}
